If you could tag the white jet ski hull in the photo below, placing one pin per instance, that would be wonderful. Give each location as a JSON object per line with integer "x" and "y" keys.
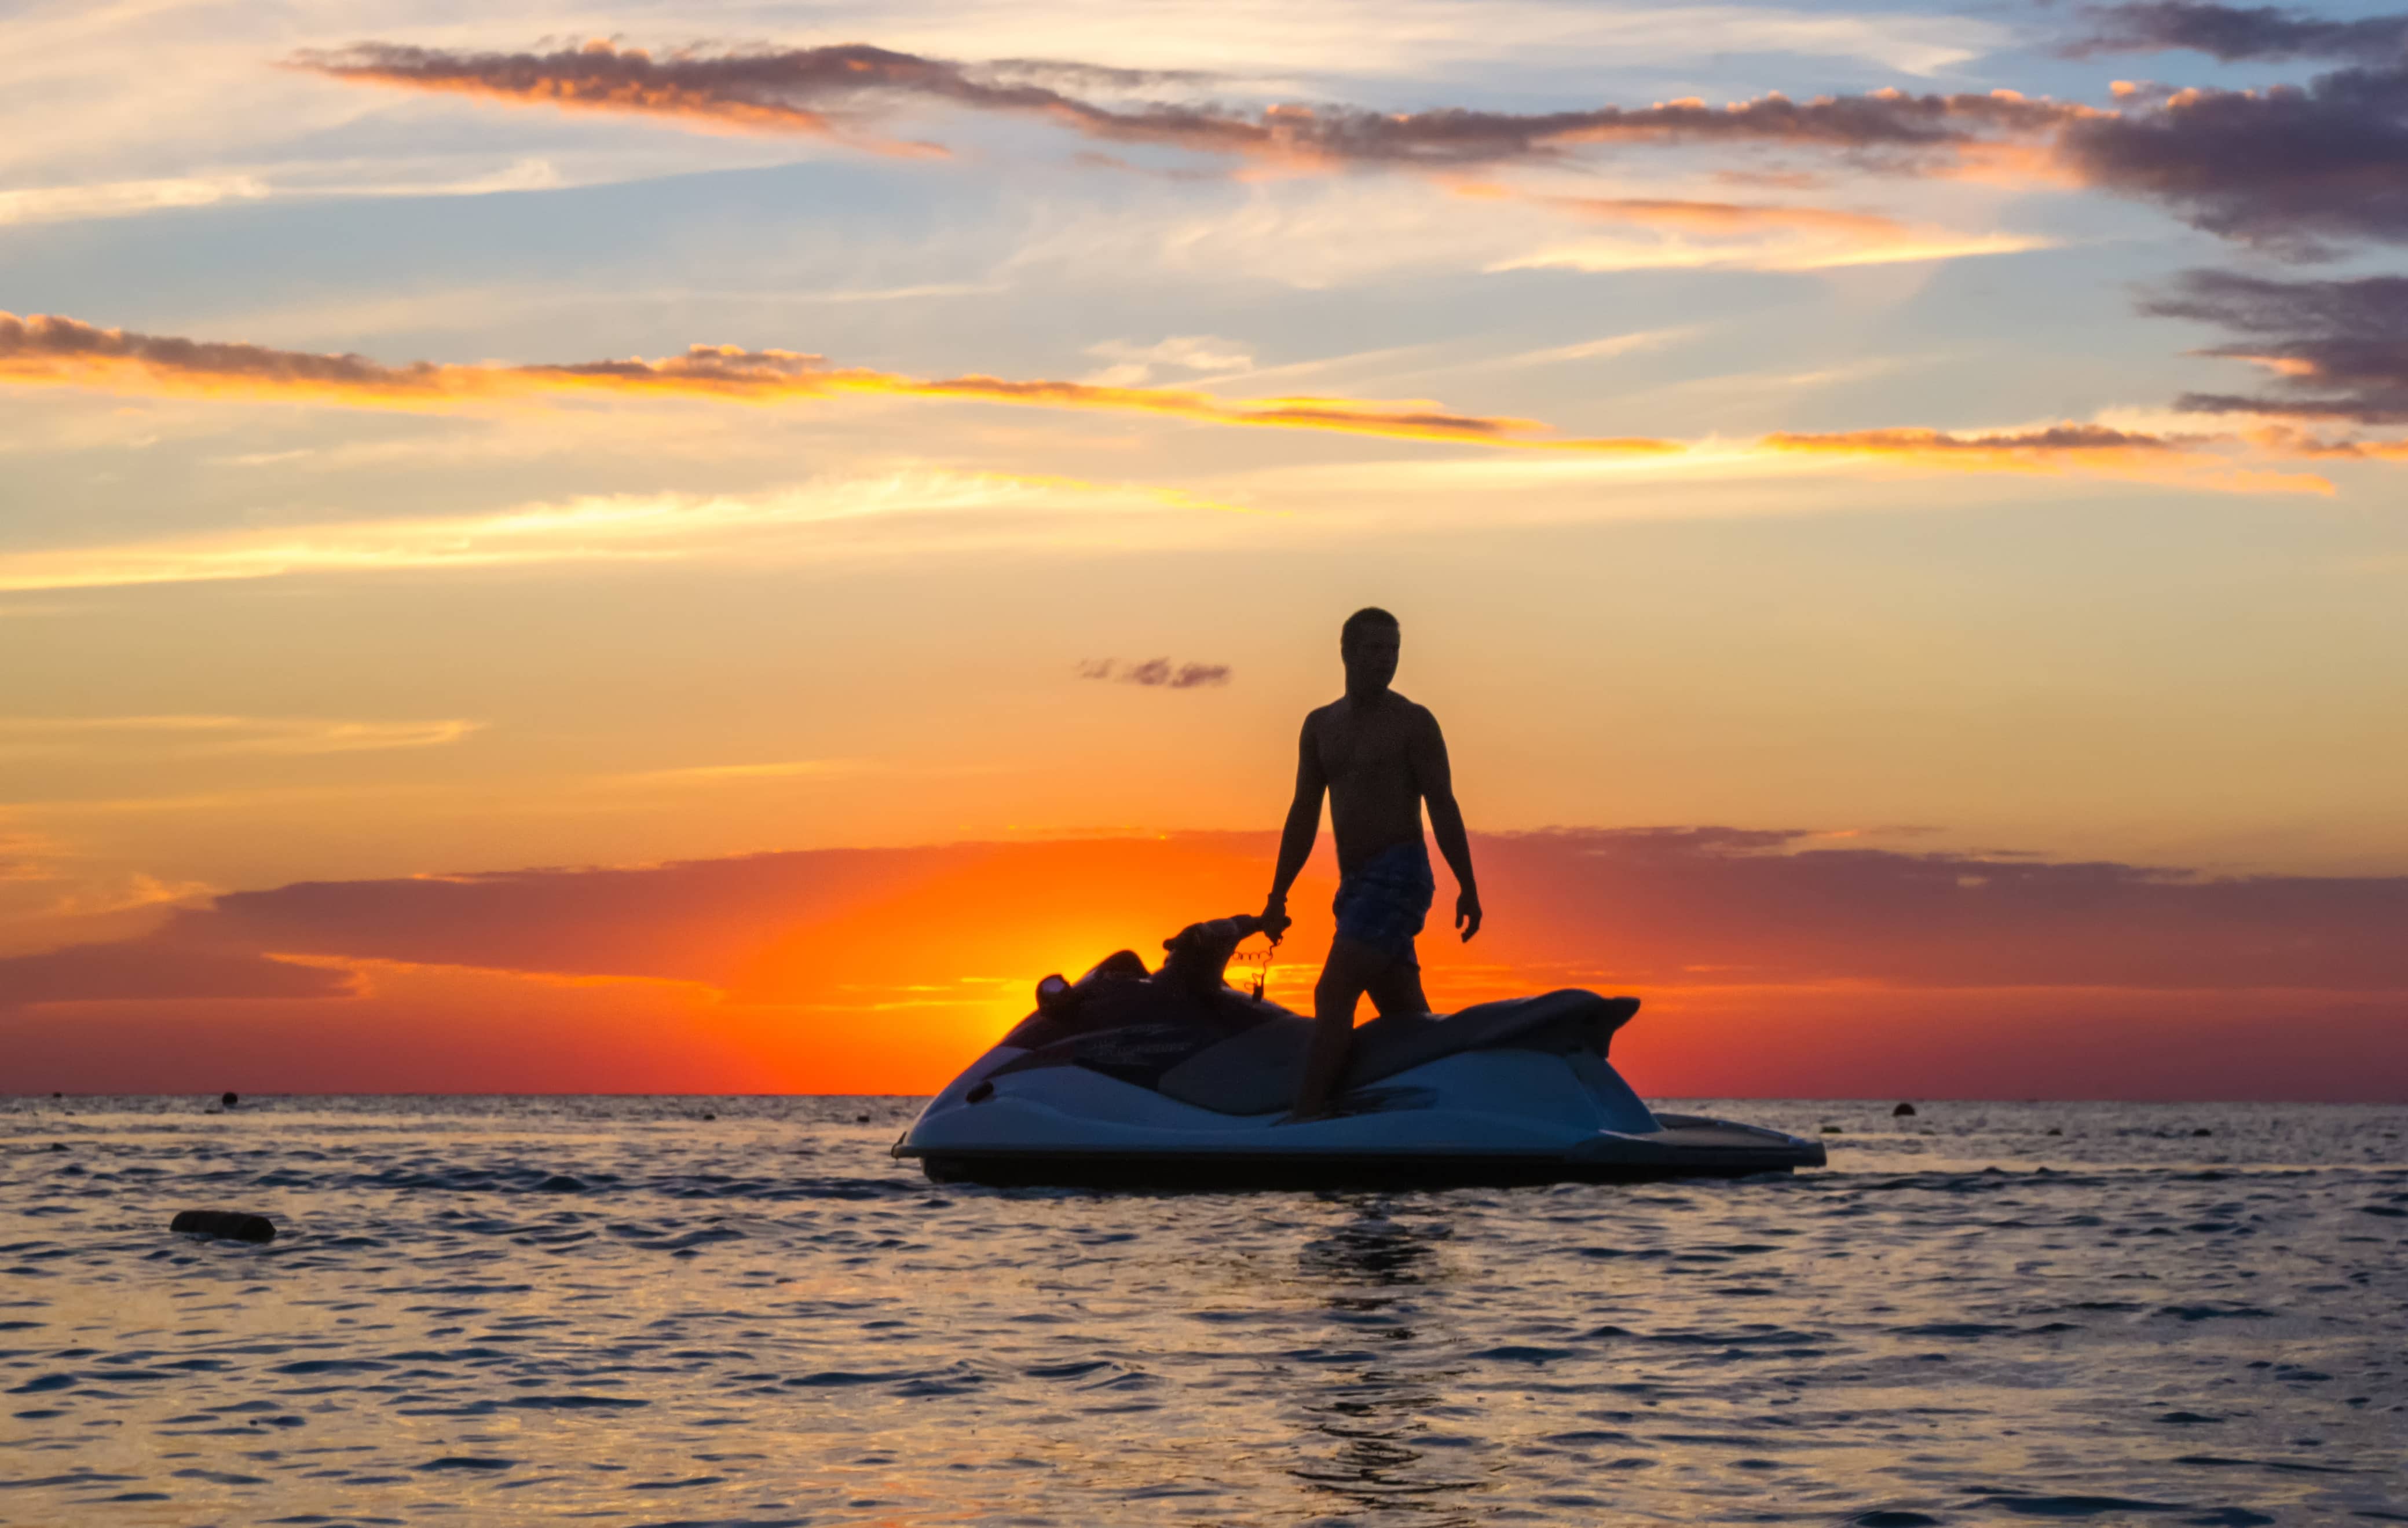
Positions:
{"x": 1495, "y": 1116}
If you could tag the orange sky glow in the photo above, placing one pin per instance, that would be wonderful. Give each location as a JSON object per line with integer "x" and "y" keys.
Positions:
{"x": 1769, "y": 964}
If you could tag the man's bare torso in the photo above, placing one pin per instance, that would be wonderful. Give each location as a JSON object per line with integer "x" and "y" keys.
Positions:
{"x": 1366, "y": 750}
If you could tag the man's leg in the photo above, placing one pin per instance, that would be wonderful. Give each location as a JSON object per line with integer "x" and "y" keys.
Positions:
{"x": 1352, "y": 966}
{"x": 1397, "y": 988}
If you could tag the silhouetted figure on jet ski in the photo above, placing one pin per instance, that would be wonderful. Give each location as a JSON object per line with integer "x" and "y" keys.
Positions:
{"x": 1379, "y": 758}
{"x": 1175, "y": 1078}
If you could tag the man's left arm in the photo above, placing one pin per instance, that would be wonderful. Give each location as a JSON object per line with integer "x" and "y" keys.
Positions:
{"x": 1436, "y": 778}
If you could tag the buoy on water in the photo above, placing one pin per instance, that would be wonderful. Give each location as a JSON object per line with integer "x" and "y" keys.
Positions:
{"x": 233, "y": 1225}
{"x": 229, "y": 1100}
{"x": 1904, "y": 1111}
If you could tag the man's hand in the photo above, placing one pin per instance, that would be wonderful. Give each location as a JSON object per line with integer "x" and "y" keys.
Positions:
{"x": 1467, "y": 914}
{"x": 1275, "y": 919}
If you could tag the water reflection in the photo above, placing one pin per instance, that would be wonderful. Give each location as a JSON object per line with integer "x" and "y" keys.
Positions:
{"x": 1373, "y": 1439}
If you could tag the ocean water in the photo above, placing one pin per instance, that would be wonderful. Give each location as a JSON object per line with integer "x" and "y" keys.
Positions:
{"x": 620, "y": 1311}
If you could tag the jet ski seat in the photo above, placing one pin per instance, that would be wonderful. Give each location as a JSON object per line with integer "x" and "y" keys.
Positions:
{"x": 1256, "y": 1071}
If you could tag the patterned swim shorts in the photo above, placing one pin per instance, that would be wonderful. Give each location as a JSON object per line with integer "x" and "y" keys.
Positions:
{"x": 1382, "y": 902}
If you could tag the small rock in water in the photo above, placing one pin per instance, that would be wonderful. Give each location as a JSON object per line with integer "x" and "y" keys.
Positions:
{"x": 2057, "y": 1130}
{"x": 861, "y": 1119}
{"x": 231, "y": 1224}
{"x": 1830, "y": 1130}
{"x": 2202, "y": 1130}
{"x": 708, "y": 1115}
{"x": 230, "y": 1099}
{"x": 58, "y": 1145}
{"x": 1904, "y": 1111}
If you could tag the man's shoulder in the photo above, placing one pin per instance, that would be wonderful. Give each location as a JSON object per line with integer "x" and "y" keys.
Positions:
{"x": 1414, "y": 712}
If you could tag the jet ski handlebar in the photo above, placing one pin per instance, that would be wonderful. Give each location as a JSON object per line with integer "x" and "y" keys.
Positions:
{"x": 1199, "y": 953}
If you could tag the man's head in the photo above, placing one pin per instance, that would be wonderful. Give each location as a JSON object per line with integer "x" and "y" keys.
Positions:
{"x": 1367, "y": 644}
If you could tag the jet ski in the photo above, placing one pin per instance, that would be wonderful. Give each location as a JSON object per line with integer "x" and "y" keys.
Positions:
{"x": 1173, "y": 1079}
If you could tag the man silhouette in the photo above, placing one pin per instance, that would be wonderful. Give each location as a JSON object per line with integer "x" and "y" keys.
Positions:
{"x": 1378, "y": 756}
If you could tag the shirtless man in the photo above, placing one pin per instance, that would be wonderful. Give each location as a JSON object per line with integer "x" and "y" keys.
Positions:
{"x": 1378, "y": 756}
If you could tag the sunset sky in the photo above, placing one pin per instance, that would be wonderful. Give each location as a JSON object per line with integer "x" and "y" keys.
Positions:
{"x": 705, "y": 547}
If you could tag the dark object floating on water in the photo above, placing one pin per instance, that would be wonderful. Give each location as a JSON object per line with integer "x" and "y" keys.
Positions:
{"x": 58, "y": 1145}
{"x": 861, "y": 1119}
{"x": 231, "y": 1224}
{"x": 1830, "y": 1130}
{"x": 2057, "y": 1130}
{"x": 708, "y": 1115}
{"x": 2202, "y": 1130}
{"x": 1904, "y": 1111}
{"x": 229, "y": 1100}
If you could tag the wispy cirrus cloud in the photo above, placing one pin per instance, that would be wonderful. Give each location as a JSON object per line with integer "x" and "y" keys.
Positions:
{"x": 56, "y": 352}
{"x": 1682, "y": 232}
{"x": 2092, "y": 449}
{"x": 62, "y": 351}
{"x": 202, "y": 734}
{"x": 123, "y": 198}
{"x": 609, "y": 528}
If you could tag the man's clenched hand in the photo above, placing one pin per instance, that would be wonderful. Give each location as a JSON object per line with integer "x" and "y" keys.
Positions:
{"x": 1275, "y": 920}
{"x": 1466, "y": 914}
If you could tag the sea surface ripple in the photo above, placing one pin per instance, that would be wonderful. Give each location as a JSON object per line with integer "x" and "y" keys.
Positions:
{"x": 621, "y": 1311}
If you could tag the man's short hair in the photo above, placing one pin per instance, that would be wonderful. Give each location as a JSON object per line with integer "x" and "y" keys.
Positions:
{"x": 1370, "y": 615}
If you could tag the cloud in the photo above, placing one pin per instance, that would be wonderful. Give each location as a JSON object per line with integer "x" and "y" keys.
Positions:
{"x": 157, "y": 970}
{"x": 57, "y": 352}
{"x": 2338, "y": 350}
{"x": 46, "y": 350}
{"x": 823, "y": 92}
{"x": 1753, "y": 236}
{"x": 2233, "y": 33}
{"x": 123, "y": 198}
{"x": 1730, "y": 217}
{"x": 1157, "y": 673}
{"x": 2285, "y": 167}
{"x": 198, "y": 735}
{"x": 2091, "y": 449}
{"x": 620, "y": 527}
{"x": 1196, "y": 353}
{"x": 2288, "y": 168}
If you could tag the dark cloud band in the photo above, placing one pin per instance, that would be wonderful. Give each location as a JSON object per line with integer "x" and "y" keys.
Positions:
{"x": 2234, "y": 32}
{"x": 2338, "y": 348}
{"x": 829, "y": 90}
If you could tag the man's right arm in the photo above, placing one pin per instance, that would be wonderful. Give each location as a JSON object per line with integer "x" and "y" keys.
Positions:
{"x": 1303, "y": 827}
